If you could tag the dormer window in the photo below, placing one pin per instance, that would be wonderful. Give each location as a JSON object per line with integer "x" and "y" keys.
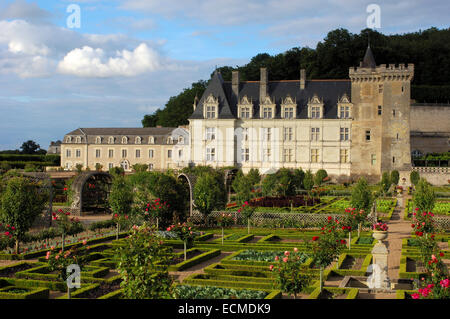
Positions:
{"x": 98, "y": 140}
{"x": 288, "y": 108}
{"x": 69, "y": 139}
{"x": 124, "y": 140}
{"x": 151, "y": 140}
{"x": 180, "y": 139}
{"x": 137, "y": 140}
{"x": 78, "y": 139}
{"x": 344, "y": 107}
{"x": 111, "y": 140}
{"x": 169, "y": 140}
{"x": 267, "y": 108}
{"x": 211, "y": 107}
{"x": 245, "y": 108}
{"x": 315, "y": 108}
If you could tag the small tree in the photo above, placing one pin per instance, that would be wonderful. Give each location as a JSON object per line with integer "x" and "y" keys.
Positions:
{"x": 385, "y": 182}
{"x": 247, "y": 212}
{"x": 326, "y": 248}
{"x": 184, "y": 232}
{"x": 268, "y": 185}
{"x": 21, "y": 203}
{"x": 98, "y": 167}
{"x": 414, "y": 177}
{"x": 254, "y": 176}
{"x": 308, "y": 181}
{"x": 395, "y": 177}
{"x": 292, "y": 276}
{"x": 285, "y": 182}
{"x": 139, "y": 168}
{"x": 424, "y": 196}
{"x": 209, "y": 195}
{"x": 320, "y": 175}
{"x": 361, "y": 196}
{"x": 242, "y": 185}
{"x": 79, "y": 168}
{"x": 143, "y": 265}
{"x": 224, "y": 221}
{"x": 298, "y": 176}
{"x": 64, "y": 223}
{"x": 120, "y": 200}
{"x": 156, "y": 209}
{"x": 116, "y": 170}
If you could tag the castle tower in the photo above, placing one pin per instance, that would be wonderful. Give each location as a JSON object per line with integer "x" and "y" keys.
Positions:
{"x": 380, "y": 128}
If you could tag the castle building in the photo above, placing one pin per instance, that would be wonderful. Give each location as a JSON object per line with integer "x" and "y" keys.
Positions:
{"x": 354, "y": 127}
{"x": 158, "y": 147}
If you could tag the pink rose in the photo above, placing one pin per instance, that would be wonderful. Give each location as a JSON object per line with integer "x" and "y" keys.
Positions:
{"x": 285, "y": 259}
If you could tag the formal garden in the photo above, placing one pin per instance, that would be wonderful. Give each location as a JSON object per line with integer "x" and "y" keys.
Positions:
{"x": 292, "y": 234}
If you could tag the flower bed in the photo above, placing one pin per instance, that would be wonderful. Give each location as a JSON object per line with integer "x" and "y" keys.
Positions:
{"x": 210, "y": 292}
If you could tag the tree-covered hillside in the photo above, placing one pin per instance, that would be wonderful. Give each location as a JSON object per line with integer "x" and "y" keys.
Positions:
{"x": 428, "y": 50}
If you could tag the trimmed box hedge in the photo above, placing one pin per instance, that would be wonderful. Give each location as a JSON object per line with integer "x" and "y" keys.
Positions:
{"x": 208, "y": 254}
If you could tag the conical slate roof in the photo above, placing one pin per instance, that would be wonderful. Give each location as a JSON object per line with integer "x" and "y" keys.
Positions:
{"x": 369, "y": 60}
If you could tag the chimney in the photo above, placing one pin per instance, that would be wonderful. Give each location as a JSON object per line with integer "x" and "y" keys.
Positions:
{"x": 263, "y": 84}
{"x": 195, "y": 102}
{"x": 302, "y": 79}
{"x": 235, "y": 84}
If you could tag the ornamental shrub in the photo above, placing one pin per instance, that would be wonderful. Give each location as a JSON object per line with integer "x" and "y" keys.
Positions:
{"x": 143, "y": 265}
{"x": 308, "y": 180}
{"x": 209, "y": 195}
{"x": 414, "y": 177}
{"x": 320, "y": 175}
{"x": 361, "y": 195}
{"x": 395, "y": 177}
{"x": 424, "y": 197}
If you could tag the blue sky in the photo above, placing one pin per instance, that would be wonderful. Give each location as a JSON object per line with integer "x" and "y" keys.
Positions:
{"x": 129, "y": 56}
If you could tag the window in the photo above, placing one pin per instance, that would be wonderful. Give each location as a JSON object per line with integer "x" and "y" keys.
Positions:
{"x": 267, "y": 112}
{"x": 344, "y": 112}
{"x": 137, "y": 140}
{"x": 245, "y": 112}
{"x": 124, "y": 153}
{"x": 180, "y": 153}
{"x": 151, "y": 140}
{"x": 68, "y": 139}
{"x": 150, "y": 153}
{"x": 210, "y": 154}
{"x": 97, "y": 153}
{"x": 373, "y": 159}
{"x": 267, "y": 154}
{"x": 288, "y": 133}
{"x": 288, "y": 112}
{"x": 245, "y": 155}
{"x": 169, "y": 153}
{"x": 344, "y": 156}
{"x": 267, "y": 134}
{"x": 397, "y": 136}
{"x": 344, "y": 133}
{"x": 78, "y": 153}
{"x": 210, "y": 112}
{"x": 379, "y": 109}
{"x": 68, "y": 153}
{"x": 315, "y": 112}
{"x": 181, "y": 139}
{"x": 315, "y": 133}
{"x": 393, "y": 159}
{"x": 150, "y": 166}
{"x": 288, "y": 155}
{"x": 138, "y": 153}
{"x": 314, "y": 155}
{"x": 110, "y": 153}
{"x": 110, "y": 165}
{"x": 368, "y": 135}
{"x": 111, "y": 140}
{"x": 78, "y": 139}
{"x": 124, "y": 140}
{"x": 98, "y": 140}
{"x": 210, "y": 133}
{"x": 380, "y": 88}
{"x": 393, "y": 113}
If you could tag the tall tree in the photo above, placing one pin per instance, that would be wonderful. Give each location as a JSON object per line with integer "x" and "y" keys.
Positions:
{"x": 30, "y": 147}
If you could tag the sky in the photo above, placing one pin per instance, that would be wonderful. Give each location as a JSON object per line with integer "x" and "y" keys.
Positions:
{"x": 126, "y": 58}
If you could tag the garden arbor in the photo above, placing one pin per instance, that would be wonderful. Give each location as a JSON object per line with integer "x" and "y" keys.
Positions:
{"x": 189, "y": 180}
{"x": 90, "y": 189}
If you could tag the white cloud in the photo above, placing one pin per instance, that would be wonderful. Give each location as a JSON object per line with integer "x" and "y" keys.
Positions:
{"x": 21, "y": 9}
{"x": 89, "y": 62}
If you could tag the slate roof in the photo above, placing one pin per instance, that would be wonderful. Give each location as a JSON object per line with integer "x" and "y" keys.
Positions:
{"x": 159, "y": 134}
{"x": 328, "y": 90}
{"x": 368, "y": 60}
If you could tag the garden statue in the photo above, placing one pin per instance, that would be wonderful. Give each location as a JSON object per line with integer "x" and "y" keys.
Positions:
{"x": 379, "y": 278}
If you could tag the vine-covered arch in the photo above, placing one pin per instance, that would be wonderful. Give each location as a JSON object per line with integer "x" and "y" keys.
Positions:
{"x": 79, "y": 185}
{"x": 191, "y": 180}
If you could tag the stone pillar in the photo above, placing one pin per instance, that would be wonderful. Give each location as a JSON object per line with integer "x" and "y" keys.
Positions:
{"x": 379, "y": 278}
